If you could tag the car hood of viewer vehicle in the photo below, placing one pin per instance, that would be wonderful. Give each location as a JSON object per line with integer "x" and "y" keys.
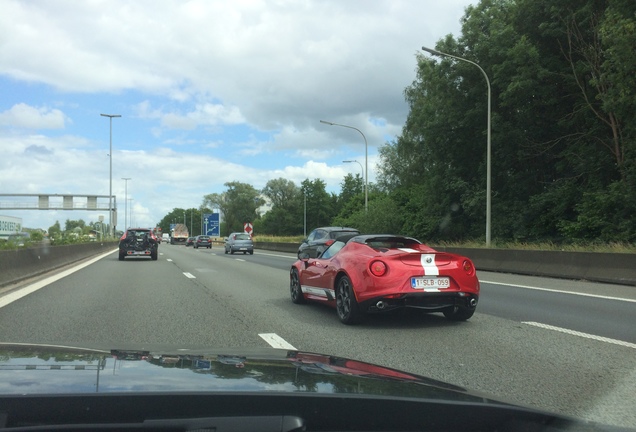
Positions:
{"x": 47, "y": 369}
{"x": 257, "y": 389}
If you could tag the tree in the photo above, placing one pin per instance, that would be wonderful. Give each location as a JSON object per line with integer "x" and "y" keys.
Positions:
{"x": 563, "y": 140}
{"x": 55, "y": 229}
{"x": 286, "y": 214}
{"x": 320, "y": 205}
{"x": 237, "y": 205}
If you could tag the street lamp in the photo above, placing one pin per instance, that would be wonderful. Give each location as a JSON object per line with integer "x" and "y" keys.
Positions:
{"x": 488, "y": 146}
{"x": 126, "y": 203}
{"x": 110, "y": 190}
{"x": 131, "y": 212}
{"x": 366, "y": 162}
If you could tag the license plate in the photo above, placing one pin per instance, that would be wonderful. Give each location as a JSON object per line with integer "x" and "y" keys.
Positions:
{"x": 138, "y": 253}
{"x": 430, "y": 282}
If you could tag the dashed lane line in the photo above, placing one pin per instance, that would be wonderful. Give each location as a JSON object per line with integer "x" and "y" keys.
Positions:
{"x": 276, "y": 341}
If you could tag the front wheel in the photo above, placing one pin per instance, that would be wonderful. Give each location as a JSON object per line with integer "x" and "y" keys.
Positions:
{"x": 346, "y": 303}
{"x": 295, "y": 289}
{"x": 458, "y": 313}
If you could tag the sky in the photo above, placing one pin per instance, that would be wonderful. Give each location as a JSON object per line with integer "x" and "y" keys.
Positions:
{"x": 209, "y": 92}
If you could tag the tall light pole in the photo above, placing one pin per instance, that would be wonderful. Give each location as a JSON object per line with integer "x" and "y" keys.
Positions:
{"x": 110, "y": 189}
{"x": 488, "y": 146}
{"x": 131, "y": 212}
{"x": 366, "y": 162}
{"x": 126, "y": 202}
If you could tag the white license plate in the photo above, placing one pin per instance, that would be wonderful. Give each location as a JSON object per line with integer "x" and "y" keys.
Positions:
{"x": 430, "y": 282}
{"x": 138, "y": 253}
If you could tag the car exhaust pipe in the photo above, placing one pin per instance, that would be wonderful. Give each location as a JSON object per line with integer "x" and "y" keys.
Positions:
{"x": 472, "y": 302}
{"x": 380, "y": 305}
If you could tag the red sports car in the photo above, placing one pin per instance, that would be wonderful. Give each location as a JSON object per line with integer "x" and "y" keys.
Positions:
{"x": 360, "y": 274}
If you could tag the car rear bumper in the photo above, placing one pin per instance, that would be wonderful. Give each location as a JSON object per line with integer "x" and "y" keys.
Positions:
{"x": 429, "y": 301}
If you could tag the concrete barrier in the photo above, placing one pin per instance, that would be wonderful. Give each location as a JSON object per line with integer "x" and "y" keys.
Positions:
{"x": 20, "y": 264}
{"x": 617, "y": 268}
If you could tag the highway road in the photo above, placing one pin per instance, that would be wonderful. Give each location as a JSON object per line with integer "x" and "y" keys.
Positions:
{"x": 564, "y": 346}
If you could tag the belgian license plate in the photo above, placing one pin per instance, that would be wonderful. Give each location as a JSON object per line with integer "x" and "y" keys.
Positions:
{"x": 430, "y": 282}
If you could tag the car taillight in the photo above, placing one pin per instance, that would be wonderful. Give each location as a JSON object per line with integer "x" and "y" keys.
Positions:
{"x": 468, "y": 267}
{"x": 378, "y": 268}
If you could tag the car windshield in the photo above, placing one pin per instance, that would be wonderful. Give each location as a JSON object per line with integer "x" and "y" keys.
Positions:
{"x": 447, "y": 188}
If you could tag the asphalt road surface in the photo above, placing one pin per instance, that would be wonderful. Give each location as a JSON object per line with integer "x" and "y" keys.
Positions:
{"x": 564, "y": 346}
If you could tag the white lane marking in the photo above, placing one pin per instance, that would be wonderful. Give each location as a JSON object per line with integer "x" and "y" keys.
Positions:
{"x": 239, "y": 259}
{"x": 581, "y": 334}
{"x": 18, "y": 294}
{"x": 169, "y": 259}
{"x": 189, "y": 275}
{"x": 276, "y": 341}
{"x": 561, "y": 291}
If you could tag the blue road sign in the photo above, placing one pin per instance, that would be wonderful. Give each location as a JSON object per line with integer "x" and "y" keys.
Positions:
{"x": 211, "y": 224}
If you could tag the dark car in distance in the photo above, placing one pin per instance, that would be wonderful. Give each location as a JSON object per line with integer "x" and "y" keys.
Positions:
{"x": 189, "y": 241}
{"x": 239, "y": 242}
{"x": 138, "y": 242}
{"x": 202, "y": 241}
{"x": 319, "y": 239}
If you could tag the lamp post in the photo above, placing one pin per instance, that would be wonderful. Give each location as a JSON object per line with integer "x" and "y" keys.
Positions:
{"x": 305, "y": 216}
{"x": 126, "y": 202}
{"x": 110, "y": 189}
{"x": 366, "y": 161}
{"x": 131, "y": 212}
{"x": 488, "y": 144}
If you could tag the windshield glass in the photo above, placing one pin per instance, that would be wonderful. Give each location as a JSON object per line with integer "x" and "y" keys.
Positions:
{"x": 187, "y": 173}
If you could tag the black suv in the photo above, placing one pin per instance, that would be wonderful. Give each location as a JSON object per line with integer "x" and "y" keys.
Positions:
{"x": 319, "y": 239}
{"x": 138, "y": 242}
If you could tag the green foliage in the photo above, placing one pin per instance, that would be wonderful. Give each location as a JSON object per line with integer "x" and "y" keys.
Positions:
{"x": 238, "y": 205}
{"x": 563, "y": 136}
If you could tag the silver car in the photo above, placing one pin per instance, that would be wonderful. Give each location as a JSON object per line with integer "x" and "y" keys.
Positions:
{"x": 239, "y": 242}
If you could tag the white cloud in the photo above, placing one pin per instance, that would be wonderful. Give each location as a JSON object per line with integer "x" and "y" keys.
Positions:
{"x": 27, "y": 117}
{"x": 209, "y": 91}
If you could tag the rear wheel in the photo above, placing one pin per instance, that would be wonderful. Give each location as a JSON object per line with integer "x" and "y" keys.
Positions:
{"x": 154, "y": 255}
{"x": 122, "y": 256}
{"x": 346, "y": 303}
{"x": 458, "y": 313}
{"x": 295, "y": 290}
